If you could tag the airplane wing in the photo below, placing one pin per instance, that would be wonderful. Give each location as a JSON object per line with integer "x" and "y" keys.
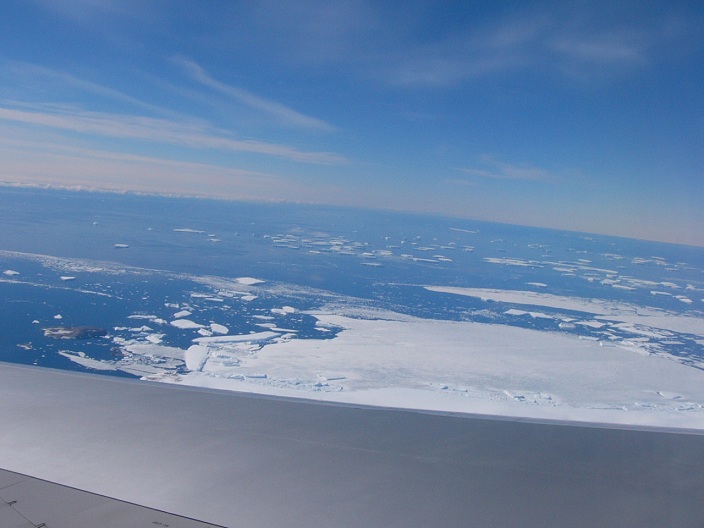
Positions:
{"x": 27, "y": 502}
{"x": 242, "y": 460}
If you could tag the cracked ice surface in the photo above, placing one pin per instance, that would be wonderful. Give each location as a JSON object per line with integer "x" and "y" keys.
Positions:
{"x": 402, "y": 361}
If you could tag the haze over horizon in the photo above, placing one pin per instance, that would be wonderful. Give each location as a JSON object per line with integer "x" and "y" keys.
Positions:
{"x": 572, "y": 115}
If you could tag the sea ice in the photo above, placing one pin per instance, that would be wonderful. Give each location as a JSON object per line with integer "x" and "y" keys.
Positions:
{"x": 547, "y": 375}
{"x": 513, "y": 262}
{"x": 605, "y": 310}
{"x": 87, "y": 362}
{"x": 187, "y": 230}
{"x": 155, "y": 338}
{"x": 196, "y": 356}
{"x": 185, "y": 324}
{"x": 218, "y": 328}
{"x": 220, "y": 340}
{"x": 591, "y": 324}
{"x": 248, "y": 281}
{"x": 156, "y": 350}
{"x": 284, "y": 310}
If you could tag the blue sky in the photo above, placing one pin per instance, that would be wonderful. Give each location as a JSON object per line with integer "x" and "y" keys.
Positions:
{"x": 579, "y": 115}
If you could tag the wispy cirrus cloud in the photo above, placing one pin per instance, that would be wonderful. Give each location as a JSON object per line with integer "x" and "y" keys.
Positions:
{"x": 282, "y": 113}
{"x": 63, "y": 164}
{"x": 610, "y": 48}
{"x": 66, "y": 166}
{"x": 499, "y": 170}
{"x": 59, "y": 81}
{"x": 462, "y": 182}
{"x": 471, "y": 53}
{"x": 564, "y": 40}
{"x": 191, "y": 135}
{"x": 83, "y": 10}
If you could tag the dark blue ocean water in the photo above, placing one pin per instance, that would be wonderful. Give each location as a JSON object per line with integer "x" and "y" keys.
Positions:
{"x": 380, "y": 259}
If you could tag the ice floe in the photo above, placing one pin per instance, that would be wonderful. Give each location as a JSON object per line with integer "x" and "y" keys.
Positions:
{"x": 242, "y": 338}
{"x": 188, "y": 230}
{"x": 470, "y": 231}
{"x": 185, "y": 324}
{"x": 218, "y": 328}
{"x": 606, "y": 310}
{"x": 196, "y": 356}
{"x": 285, "y": 310}
{"x": 248, "y": 281}
{"x": 155, "y": 350}
{"x": 507, "y": 370}
{"x": 81, "y": 359}
{"x": 513, "y": 262}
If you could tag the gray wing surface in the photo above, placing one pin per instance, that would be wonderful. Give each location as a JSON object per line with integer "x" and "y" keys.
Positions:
{"x": 27, "y": 502}
{"x": 240, "y": 460}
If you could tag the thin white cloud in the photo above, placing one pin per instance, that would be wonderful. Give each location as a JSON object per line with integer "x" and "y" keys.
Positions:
{"x": 312, "y": 33}
{"x": 605, "y": 49}
{"x": 461, "y": 181}
{"x": 157, "y": 130}
{"x": 58, "y": 146}
{"x": 33, "y": 74}
{"x": 85, "y": 12}
{"x": 499, "y": 170}
{"x": 67, "y": 166}
{"x": 563, "y": 41}
{"x": 472, "y": 53}
{"x": 523, "y": 172}
{"x": 481, "y": 173}
{"x": 61, "y": 164}
{"x": 280, "y": 112}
